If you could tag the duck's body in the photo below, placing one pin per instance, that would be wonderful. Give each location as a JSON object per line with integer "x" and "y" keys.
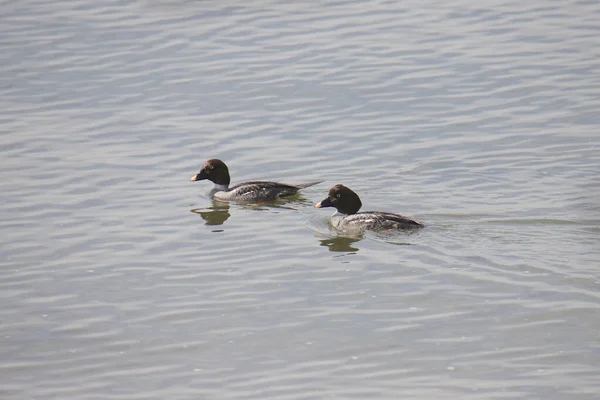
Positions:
{"x": 256, "y": 191}
{"x": 347, "y": 217}
{"x": 373, "y": 220}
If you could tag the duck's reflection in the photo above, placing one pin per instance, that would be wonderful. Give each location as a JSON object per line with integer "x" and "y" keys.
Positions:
{"x": 217, "y": 214}
{"x": 287, "y": 203}
{"x": 341, "y": 243}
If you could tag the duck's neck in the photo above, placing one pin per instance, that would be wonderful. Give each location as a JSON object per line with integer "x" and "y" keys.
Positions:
{"x": 218, "y": 188}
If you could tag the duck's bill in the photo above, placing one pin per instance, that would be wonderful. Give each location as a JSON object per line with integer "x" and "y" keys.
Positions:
{"x": 198, "y": 177}
{"x": 323, "y": 203}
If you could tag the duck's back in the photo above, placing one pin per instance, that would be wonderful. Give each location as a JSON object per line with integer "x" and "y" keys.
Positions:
{"x": 261, "y": 191}
{"x": 377, "y": 221}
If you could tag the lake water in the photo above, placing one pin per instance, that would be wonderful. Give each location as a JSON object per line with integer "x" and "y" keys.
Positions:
{"x": 120, "y": 279}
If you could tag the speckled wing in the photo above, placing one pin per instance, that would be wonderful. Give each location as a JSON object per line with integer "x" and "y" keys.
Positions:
{"x": 391, "y": 220}
{"x": 377, "y": 220}
{"x": 262, "y": 191}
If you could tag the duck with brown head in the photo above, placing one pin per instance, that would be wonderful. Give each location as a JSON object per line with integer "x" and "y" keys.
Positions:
{"x": 217, "y": 172}
{"x": 347, "y": 218}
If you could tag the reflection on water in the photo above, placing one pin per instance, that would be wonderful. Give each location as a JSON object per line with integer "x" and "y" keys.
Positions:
{"x": 344, "y": 243}
{"x": 217, "y": 214}
{"x": 341, "y": 243}
{"x": 288, "y": 203}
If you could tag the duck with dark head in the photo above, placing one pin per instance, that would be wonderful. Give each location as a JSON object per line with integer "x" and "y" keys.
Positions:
{"x": 217, "y": 172}
{"x": 347, "y": 218}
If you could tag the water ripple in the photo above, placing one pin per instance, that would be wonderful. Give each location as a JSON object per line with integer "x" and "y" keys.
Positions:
{"x": 480, "y": 120}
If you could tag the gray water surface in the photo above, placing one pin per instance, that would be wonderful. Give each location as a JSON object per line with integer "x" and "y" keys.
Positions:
{"x": 120, "y": 279}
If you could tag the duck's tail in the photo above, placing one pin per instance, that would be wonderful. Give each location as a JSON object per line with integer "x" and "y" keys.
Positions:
{"x": 309, "y": 184}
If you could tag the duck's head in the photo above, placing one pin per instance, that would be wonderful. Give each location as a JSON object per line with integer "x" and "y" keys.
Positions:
{"x": 215, "y": 171}
{"x": 343, "y": 199}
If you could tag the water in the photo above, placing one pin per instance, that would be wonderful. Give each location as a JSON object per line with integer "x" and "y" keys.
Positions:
{"x": 121, "y": 280}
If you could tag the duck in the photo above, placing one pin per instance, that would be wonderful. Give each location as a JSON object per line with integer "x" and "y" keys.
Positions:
{"x": 347, "y": 218}
{"x": 217, "y": 172}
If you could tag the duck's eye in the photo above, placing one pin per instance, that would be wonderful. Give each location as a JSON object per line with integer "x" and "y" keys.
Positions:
{"x": 337, "y": 195}
{"x": 211, "y": 166}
